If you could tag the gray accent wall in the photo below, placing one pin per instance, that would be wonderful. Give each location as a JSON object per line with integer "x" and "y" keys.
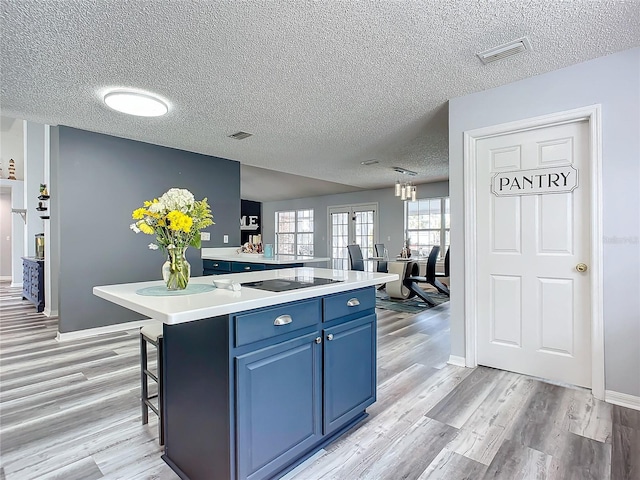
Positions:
{"x": 97, "y": 181}
{"x": 390, "y": 214}
{"x": 614, "y": 82}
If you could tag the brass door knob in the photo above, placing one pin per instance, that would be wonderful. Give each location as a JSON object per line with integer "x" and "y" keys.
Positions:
{"x": 581, "y": 267}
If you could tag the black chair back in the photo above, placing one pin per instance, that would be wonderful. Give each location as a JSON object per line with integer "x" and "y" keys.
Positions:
{"x": 382, "y": 265}
{"x": 355, "y": 258}
{"x": 446, "y": 263}
{"x": 431, "y": 264}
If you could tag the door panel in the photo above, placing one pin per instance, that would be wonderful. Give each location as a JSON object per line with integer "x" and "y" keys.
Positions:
{"x": 506, "y": 310}
{"x": 533, "y": 306}
{"x": 556, "y": 315}
{"x": 555, "y": 227}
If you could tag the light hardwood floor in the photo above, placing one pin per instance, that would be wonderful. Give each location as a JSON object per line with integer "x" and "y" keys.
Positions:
{"x": 71, "y": 411}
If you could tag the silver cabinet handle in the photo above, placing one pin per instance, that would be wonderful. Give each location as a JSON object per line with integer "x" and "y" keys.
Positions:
{"x": 215, "y": 264}
{"x": 330, "y": 337}
{"x": 247, "y": 268}
{"x": 283, "y": 320}
{"x": 353, "y": 302}
{"x": 318, "y": 339}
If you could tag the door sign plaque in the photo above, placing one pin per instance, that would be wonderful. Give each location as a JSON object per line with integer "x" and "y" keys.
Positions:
{"x": 534, "y": 182}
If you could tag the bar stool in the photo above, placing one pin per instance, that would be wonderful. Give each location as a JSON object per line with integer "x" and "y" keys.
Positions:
{"x": 151, "y": 334}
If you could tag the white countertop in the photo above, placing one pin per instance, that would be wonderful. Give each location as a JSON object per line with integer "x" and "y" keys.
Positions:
{"x": 185, "y": 308}
{"x": 229, "y": 255}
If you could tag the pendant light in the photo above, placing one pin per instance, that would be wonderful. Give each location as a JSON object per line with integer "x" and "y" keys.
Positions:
{"x": 404, "y": 191}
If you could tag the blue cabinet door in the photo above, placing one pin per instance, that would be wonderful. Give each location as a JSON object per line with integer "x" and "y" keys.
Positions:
{"x": 349, "y": 371}
{"x": 278, "y": 405}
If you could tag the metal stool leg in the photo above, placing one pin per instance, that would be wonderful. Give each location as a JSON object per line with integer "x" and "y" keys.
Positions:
{"x": 143, "y": 380}
{"x": 160, "y": 394}
{"x": 154, "y": 338}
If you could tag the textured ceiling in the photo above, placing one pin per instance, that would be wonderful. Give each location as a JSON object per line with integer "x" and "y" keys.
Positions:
{"x": 321, "y": 85}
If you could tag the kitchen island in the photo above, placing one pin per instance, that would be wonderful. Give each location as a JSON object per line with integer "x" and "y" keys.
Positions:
{"x": 255, "y": 381}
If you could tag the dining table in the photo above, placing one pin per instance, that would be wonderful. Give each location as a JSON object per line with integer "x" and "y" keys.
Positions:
{"x": 404, "y": 267}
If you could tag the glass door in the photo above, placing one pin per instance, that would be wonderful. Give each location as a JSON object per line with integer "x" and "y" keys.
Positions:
{"x": 352, "y": 224}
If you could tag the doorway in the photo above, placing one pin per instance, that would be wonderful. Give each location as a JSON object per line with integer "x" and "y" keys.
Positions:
{"x": 533, "y": 267}
{"x": 348, "y": 225}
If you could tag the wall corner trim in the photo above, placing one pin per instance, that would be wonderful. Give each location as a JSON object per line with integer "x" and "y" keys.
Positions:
{"x": 92, "y": 332}
{"x": 457, "y": 361}
{"x": 622, "y": 399}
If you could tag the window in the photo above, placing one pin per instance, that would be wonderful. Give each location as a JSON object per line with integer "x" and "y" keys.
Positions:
{"x": 427, "y": 223}
{"x": 294, "y": 232}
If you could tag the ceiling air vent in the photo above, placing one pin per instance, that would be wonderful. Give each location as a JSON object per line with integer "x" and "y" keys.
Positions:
{"x": 404, "y": 171}
{"x": 240, "y": 135}
{"x": 520, "y": 45}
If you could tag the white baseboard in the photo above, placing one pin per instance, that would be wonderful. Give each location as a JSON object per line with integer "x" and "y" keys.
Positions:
{"x": 622, "y": 399}
{"x": 49, "y": 313}
{"x": 457, "y": 361}
{"x": 4, "y": 278}
{"x": 17, "y": 285}
{"x": 92, "y": 332}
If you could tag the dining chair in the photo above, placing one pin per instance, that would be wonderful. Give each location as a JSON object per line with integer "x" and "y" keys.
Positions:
{"x": 356, "y": 261}
{"x": 411, "y": 282}
{"x": 382, "y": 266}
{"x": 446, "y": 266}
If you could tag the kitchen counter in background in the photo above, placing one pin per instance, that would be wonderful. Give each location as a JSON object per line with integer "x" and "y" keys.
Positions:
{"x": 219, "y": 261}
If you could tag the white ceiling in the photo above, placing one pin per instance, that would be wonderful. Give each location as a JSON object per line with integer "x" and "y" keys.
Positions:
{"x": 322, "y": 85}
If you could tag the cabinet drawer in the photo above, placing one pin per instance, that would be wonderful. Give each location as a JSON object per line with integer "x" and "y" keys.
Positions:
{"x": 348, "y": 303}
{"x": 271, "y": 322}
{"x": 246, "y": 267}
{"x": 216, "y": 265}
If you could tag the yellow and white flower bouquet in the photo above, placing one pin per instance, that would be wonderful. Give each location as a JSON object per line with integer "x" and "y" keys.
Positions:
{"x": 176, "y": 219}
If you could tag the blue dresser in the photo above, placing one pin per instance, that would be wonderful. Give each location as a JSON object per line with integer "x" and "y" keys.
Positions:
{"x": 250, "y": 395}
{"x": 33, "y": 281}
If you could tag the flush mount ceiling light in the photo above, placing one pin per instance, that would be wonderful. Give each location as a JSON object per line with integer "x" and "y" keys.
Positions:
{"x": 136, "y": 103}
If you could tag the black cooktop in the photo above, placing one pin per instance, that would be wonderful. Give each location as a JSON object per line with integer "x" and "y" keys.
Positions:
{"x": 289, "y": 283}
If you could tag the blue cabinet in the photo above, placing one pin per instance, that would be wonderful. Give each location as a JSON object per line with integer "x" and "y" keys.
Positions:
{"x": 220, "y": 267}
{"x": 250, "y": 395}
{"x": 33, "y": 281}
{"x": 349, "y": 371}
{"x": 215, "y": 267}
{"x": 279, "y": 407}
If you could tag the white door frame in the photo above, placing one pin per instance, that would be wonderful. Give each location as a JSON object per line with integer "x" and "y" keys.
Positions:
{"x": 592, "y": 114}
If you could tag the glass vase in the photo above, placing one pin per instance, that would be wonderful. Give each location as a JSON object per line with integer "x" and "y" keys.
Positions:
{"x": 176, "y": 269}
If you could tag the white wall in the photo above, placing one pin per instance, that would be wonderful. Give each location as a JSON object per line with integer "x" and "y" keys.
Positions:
{"x": 11, "y": 146}
{"x": 390, "y": 214}
{"x": 614, "y": 82}
{"x": 34, "y": 152}
{"x": 5, "y": 235}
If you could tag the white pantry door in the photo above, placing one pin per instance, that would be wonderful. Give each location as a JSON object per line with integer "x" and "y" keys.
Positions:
{"x": 533, "y": 312}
